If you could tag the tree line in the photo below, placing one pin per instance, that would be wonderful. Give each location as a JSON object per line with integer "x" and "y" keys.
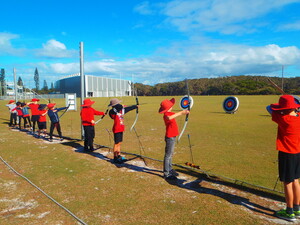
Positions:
{"x": 233, "y": 85}
{"x": 44, "y": 90}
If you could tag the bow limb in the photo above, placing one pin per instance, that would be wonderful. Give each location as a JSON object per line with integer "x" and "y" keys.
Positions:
{"x": 102, "y": 116}
{"x": 137, "y": 111}
{"x": 65, "y": 111}
{"x": 187, "y": 115}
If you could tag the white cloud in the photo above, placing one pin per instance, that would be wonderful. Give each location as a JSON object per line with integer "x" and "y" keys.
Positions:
{"x": 55, "y": 49}
{"x": 290, "y": 27}
{"x": 143, "y": 8}
{"x": 193, "y": 62}
{"x": 224, "y": 16}
{"x": 6, "y": 46}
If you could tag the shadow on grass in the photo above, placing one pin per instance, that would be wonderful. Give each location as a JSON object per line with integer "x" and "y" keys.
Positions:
{"x": 127, "y": 165}
{"x": 231, "y": 198}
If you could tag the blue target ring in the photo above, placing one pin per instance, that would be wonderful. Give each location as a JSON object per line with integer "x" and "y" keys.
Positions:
{"x": 186, "y": 102}
{"x": 231, "y": 104}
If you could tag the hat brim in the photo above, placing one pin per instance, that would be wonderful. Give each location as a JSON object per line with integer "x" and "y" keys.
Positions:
{"x": 163, "y": 110}
{"x": 276, "y": 106}
{"x": 89, "y": 104}
{"x": 115, "y": 103}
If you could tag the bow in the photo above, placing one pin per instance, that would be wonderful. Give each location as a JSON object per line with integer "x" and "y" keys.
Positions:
{"x": 102, "y": 116}
{"x": 65, "y": 111}
{"x": 189, "y": 108}
{"x": 137, "y": 110}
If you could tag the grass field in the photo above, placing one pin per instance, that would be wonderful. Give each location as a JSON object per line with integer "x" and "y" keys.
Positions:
{"x": 239, "y": 146}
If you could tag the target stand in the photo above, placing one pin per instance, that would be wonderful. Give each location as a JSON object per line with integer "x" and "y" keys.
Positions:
{"x": 231, "y": 104}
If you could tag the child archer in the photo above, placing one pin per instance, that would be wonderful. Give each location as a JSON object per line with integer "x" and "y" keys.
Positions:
{"x": 117, "y": 114}
{"x": 286, "y": 116}
{"x": 13, "y": 114}
{"x": 42, "y": 123}
{"x": 87, "y": 117}
{"x": 54, "y": 118}
{"x": 33, "y": 105}
{"x": 26, "y": 115}
{"x": 170, "y": 135}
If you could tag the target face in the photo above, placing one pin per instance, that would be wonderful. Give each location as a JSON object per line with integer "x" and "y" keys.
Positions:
{"x": 297, "y": 99}
{"x": 185, "y": 102}
{"x": 231, "y": 104}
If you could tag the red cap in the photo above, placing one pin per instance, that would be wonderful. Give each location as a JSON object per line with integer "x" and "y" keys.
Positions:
{"x": 51, "y": 105}
{"x": 166, "y": 104}
{"x": 35, "y": 100}
{"x": 11, "y": 101}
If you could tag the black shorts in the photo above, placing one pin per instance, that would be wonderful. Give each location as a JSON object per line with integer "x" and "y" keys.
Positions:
{"x": 42, "y": 125}
{"x": 118, "y": 137}
{"x": 35, "y": 118}
{"x": 288, "y": 166}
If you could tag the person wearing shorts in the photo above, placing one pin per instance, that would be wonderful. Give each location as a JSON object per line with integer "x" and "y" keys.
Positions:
{"x": 117, "y": 114}
{"x": 285, "y": 114}
{"x": 42, "y": 123}
{"x": 34, "y": 106}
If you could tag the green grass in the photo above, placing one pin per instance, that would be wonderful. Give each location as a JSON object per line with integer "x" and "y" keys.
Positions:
{"x": 240, "y": 146}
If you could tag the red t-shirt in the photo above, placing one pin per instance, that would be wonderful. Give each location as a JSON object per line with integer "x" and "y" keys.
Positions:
{"x": 118, "y": 122}
{"x": 42, "y": 117}
{"x": 34, "y": 109}
{"x": 288, "y": 134}
{"x": 19, "y": 111}
{"x": 171, "y": 125}
{"x": 87, "y": 115}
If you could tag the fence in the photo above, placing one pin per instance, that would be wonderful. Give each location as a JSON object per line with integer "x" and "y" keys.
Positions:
{"x": 25, "y": 96}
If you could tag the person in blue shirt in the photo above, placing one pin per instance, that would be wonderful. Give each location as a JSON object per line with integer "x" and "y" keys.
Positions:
{"x": 54, "y": 118}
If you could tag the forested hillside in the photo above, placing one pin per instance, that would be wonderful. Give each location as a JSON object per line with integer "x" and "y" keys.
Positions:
{"x": 233, "y": 85}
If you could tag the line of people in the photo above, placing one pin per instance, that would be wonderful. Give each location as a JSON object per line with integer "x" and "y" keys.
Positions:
{"x": 88, "y": 113}
{"x": 19, "y": 111}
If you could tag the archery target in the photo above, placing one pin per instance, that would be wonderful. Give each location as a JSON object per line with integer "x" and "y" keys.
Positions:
{"x": 185, "y": 102}
{"x": 297, "y": 99}
{"x": 231, "y": 104}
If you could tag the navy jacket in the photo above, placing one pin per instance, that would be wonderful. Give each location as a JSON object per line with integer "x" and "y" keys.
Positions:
{"x": 53, "y": 115}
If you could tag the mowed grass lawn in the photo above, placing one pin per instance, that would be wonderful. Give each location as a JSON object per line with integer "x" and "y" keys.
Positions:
{"x": 240, "y": 146}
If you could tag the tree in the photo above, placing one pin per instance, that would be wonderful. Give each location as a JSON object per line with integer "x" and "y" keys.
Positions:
{"x": 45, "y": 88}
{"x": 20, "y": 82}
{"x": 2, "y": 81}
{"x": 37, "y": 79}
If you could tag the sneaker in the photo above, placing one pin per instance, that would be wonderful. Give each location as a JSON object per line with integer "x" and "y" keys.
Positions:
{"x": 282, "y": 214}
{"x": 61, "y": 139}
{"x": 297, "y": 214}
{"x": 50, "y": 140}
{"x": 119, "y": 159}
{"x": 123, "y": 158}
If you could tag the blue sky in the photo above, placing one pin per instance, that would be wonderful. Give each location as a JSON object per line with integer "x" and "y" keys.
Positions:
{"x": 150, "y": 41}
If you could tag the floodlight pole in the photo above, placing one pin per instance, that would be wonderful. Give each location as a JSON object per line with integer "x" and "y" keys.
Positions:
{"x": 15, "y": 84}
{"x": 282, "y": 69}
{"x": 82, "y": 79}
